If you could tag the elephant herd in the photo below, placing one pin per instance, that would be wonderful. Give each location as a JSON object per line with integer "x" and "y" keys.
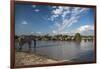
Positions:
{"x": 23, "y": 40}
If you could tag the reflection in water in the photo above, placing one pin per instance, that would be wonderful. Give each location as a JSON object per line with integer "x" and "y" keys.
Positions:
{"x": 63, "y": 50}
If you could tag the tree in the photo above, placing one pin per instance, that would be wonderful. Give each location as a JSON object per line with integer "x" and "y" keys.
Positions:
{"x": 77, "y": 37}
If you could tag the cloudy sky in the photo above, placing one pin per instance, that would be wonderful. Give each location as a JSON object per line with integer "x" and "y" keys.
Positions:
{"x": 31, "y": 19}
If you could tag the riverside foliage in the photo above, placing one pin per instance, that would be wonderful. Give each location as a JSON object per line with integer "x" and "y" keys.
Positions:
{"x": 76, "y": 37}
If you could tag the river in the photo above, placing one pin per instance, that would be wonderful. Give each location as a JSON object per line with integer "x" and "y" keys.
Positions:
{"x": 64, "y": 50}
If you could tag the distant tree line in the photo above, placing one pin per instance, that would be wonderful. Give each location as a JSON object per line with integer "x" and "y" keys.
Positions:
{"x": 76, "y": 37}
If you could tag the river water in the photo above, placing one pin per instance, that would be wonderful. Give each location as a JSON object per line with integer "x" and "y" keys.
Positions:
{"x": 63, "y": 50}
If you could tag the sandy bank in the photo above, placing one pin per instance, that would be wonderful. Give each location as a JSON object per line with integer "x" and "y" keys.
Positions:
{"x": 23, "y": 58}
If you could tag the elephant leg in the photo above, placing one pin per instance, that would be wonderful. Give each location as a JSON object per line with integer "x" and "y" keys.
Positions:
{"x": 29, "y": 45}
{"x": 20, "y": 46}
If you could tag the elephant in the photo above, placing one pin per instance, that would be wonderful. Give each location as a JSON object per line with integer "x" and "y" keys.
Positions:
{"x": 23, "y": 40}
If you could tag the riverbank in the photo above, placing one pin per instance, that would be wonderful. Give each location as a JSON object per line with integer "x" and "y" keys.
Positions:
{"x": 24, "y": 58}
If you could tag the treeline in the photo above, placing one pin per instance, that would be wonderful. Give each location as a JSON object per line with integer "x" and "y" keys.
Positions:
{"x": 76, "y": 37}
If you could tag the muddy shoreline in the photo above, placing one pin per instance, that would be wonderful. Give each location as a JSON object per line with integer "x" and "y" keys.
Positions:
{"x": 25, "y": 58}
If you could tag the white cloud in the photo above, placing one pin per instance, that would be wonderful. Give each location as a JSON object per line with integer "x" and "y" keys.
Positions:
{"x": 57, "y": 24}
{"x": 36, "y": 10}
{"x": 53, "y": 31}
{"x": 24, "y": 22}
{"x": 78, "y": 10}
{"x": 38, "y": 32}
{"x": 61, "y": 11}
{"x": 32, "y": 32}
{"x": 33, "y": 6}
{"x": 63, "y": 32}
{"x": 72, "y": 12}
{"x": 65, "y": 13}
{"x": 67, "y": 23}
{"x": 53, "y": 17}
{"x": 58, "y": 11}
{"x": 54, "y": 6}
{"x": 85, "y": 28}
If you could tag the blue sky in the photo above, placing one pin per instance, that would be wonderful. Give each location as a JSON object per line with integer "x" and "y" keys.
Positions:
{"x": 43, "y": 19}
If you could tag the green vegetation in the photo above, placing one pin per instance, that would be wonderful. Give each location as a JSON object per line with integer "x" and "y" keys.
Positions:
{"x": 76, "y": 37}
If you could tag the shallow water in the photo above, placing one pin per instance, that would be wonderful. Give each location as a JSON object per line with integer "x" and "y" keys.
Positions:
{"x": 63, "y": 50}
